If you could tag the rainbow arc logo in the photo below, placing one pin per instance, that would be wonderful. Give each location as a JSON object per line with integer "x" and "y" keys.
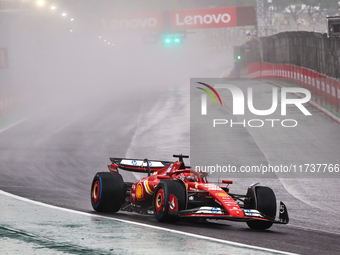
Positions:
{"x": 204, "y": 98}
{"x": 209, "y": 93}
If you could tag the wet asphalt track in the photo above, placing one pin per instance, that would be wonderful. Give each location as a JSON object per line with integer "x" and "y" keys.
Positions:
{"x": 53, "y": 156}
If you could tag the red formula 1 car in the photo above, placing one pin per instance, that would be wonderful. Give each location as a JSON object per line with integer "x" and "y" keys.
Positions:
{"x": 171, "y": 191}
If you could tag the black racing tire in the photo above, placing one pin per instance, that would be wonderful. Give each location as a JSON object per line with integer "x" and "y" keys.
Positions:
{"x": 107, "y": 192}
{"x": 266, "y": 204}
{"x": 161, "y": 197}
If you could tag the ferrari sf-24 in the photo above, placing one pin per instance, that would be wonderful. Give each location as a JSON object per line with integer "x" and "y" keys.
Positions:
{"x": 172, "y": 191}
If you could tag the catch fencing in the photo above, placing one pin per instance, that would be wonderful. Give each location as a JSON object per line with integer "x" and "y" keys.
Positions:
{"x": 307, "y": 59}
{"x": 311, "y": 50}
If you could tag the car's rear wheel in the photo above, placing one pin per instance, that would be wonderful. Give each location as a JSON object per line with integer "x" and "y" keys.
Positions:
{"x": 264, "y": 202}
{"x": 107, "y": 192}
{"x": 161, "y": 199}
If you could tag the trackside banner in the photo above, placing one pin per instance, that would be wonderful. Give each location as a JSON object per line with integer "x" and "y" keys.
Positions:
{"x": 178, "y": 19}
{"x": 132, "y": 22}
{"x": 203, "y": 18}
{"x": 212, "y": 18}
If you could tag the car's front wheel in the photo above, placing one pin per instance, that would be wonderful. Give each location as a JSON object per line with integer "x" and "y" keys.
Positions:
{"x": 265, "y": 202}
{"x": 161, "y": 203}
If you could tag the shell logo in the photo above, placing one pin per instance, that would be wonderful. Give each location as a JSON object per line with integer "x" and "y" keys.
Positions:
{"x": 222, "y": 195}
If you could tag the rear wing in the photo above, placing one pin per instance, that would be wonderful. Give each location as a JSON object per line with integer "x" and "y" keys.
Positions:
{"x": 139, "y": 165}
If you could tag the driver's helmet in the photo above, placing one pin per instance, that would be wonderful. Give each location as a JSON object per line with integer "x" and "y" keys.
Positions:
{"x": 187, "y": 177}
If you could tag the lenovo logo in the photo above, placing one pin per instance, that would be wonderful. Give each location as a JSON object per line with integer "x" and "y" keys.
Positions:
{"x": 146, "y": 21}
{"x": 130, "y": 23}
{"x": 203, "y": 18}
{"x": 199, "y": 19}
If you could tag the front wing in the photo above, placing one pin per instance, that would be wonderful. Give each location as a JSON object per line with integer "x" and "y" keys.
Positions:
{"x": 220, "y": 213}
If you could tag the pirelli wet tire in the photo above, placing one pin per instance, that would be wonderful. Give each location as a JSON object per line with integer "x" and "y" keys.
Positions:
{"x": 107, "y": 192}
{"x": 264, "y": 202}
{"x": 164, "y": 209}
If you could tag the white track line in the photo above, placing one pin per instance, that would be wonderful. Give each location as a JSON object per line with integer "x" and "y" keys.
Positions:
{"x": 146, "y": 225}
{"x": 14, "y": 124}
